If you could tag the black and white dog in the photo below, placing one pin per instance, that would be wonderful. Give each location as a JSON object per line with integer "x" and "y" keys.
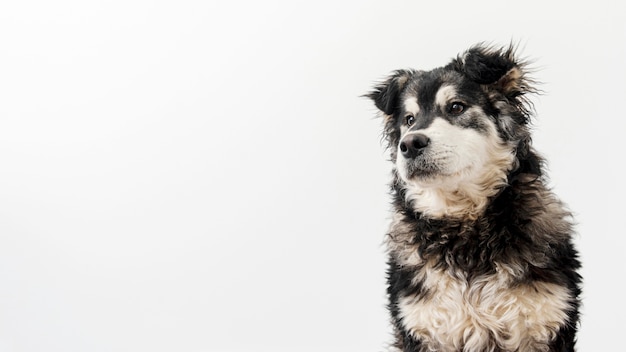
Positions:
{"x": 480, "y": 250}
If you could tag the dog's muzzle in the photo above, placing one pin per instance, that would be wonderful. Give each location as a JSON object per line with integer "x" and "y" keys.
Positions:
{"x": 413, "y": 144}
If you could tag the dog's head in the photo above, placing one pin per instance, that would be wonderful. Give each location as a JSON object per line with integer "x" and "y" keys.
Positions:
{"x": 457, "y": 128}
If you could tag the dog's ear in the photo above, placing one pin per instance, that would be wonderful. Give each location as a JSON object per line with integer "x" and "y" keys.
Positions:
{"x": 386, "y": 94}
{"x": 497, "y": 68}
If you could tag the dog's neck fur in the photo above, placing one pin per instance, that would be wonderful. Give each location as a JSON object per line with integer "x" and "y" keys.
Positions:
{"x": 462, "y": 197}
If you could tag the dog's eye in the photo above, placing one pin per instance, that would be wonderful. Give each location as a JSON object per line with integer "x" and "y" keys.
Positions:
{"x": 409, "y": 120}
{"x": 456, "y": 108}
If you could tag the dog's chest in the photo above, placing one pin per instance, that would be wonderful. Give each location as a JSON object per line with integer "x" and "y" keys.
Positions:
{"x": 486, "y": 314}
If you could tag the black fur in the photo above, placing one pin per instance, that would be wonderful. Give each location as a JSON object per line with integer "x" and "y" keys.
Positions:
{"x": 507, "y": 232}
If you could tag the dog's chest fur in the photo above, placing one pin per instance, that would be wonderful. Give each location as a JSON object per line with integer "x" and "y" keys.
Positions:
{"x": 472, "y": 285}
{"x": 487, "y": 313}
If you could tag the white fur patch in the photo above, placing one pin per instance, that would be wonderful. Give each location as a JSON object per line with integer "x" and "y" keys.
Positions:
{"x": 458, "y": 315}
{"x": 445, "y": 94}
{"x": 411, "y": 105}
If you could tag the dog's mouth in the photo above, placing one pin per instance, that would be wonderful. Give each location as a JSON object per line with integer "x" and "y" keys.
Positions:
{"x": 418, "y": 168}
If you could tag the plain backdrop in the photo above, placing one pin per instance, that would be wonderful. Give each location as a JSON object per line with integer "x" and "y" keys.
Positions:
{"x": 205, "y": 176}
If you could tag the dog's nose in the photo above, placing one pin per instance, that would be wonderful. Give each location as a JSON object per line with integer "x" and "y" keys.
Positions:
{"x": 412, "y": 144}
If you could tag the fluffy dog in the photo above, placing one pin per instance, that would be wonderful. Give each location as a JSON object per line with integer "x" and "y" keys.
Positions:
{"x": 480, "y": 250}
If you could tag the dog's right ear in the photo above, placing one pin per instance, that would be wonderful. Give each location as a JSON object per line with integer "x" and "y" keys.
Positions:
{"x": 386, "y": 94}
{"x": 497, "y": 68}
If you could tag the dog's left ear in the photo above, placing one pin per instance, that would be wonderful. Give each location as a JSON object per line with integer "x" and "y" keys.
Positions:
{"x": 497, "y": 68}
{"x": 387, "y": 94}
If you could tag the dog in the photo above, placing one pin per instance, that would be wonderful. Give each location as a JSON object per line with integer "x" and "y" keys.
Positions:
{"x": 480, "y": 250}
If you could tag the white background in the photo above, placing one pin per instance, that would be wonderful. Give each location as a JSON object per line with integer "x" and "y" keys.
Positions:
{"x": 204, "y": 176}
